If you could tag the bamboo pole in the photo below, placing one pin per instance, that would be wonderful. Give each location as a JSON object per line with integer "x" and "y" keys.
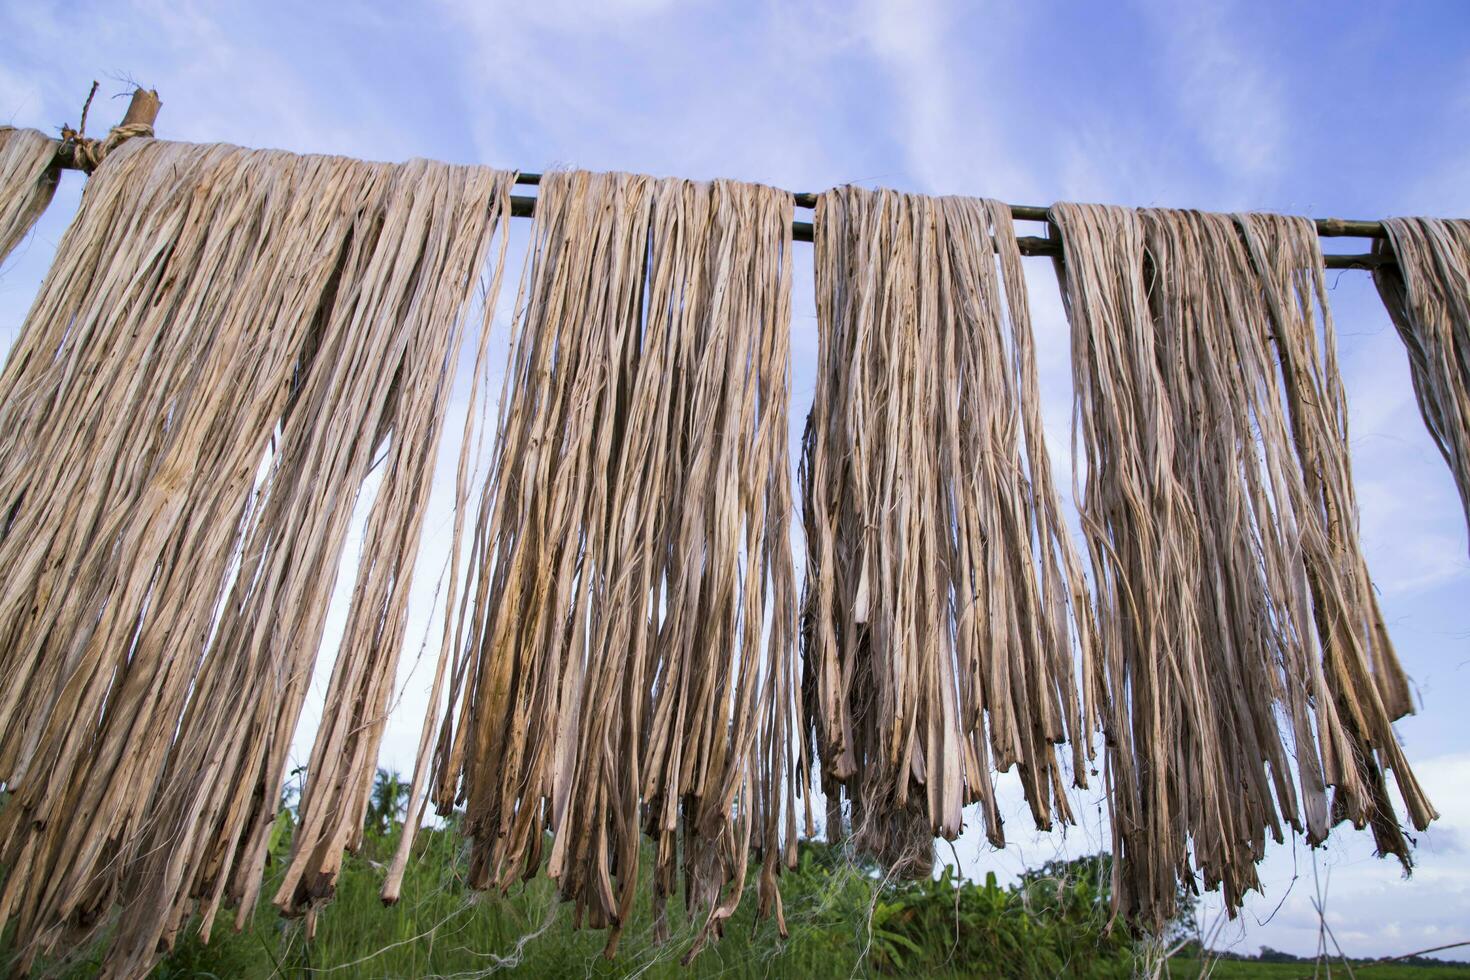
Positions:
{"x": 524, "y": 206}
{"x": 145, "y": 105}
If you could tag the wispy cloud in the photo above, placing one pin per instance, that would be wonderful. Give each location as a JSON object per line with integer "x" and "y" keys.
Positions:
{"x": 1222, "y": 94}
{"x": 950, "y": 95}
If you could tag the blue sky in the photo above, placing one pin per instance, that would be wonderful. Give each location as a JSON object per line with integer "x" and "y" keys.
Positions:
{"x": 1348, "y": 110}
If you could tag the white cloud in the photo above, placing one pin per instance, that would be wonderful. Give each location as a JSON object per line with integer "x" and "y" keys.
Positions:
{"x": 1226, "y": 99}
{"x": 951, "y": 98}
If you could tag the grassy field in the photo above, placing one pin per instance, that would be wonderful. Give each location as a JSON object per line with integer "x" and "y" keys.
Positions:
{"x": 843, "y": 921}
{"x": 1241, "y": 970}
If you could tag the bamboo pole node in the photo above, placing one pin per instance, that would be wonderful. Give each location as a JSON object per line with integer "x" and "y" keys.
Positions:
{"x": 78, "y": 152}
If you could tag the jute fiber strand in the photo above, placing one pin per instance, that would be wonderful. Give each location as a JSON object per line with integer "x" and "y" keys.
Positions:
{"x": 1427, "y": 293}
{"x": 226, "y": 342}
{"x": 1245, "y": 664}
{"x": 28, "y": 175}
{"x": 943, "y": 598}
{"x": 625, "y": 664}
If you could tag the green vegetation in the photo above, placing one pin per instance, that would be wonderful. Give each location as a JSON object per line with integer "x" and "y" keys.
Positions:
{"x": 844, "y": 921}
{"x": 1303, "y": 970}
{"x": 440, "y": 928}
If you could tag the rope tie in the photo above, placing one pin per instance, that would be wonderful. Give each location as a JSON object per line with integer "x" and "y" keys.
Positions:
{"x": 88, "y": 154}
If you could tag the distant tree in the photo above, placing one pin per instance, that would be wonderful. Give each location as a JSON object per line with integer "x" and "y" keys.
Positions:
{"x": 1097, "y": 871}
{"x": 1269, "y": 955}
{"x": 388, "y": 803}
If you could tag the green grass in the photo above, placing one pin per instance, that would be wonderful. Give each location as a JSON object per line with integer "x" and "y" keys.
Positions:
{"x": 843, "y": 922}
{"x": 1248, "y": 970}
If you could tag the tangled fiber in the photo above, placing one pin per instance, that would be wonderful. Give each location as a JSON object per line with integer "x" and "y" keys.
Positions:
{"x": 943, "y": 596}
{"x": 625, "y": 660}
{"x": 28, "y": 175}
{"x": 1245, "y": 664}
{"x": 1427, "y": 292}
{"x": 228, "y": 343}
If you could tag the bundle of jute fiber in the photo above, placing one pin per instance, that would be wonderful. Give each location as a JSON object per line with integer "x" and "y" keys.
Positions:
{"x": 1427, "y": 292}
{"x": 1245, "y": 664}
{"x": 627, "y": 659}
{"x": 943, "y": 597}
{"x": 224, "y": 343}
{"x": 28, "y": 175}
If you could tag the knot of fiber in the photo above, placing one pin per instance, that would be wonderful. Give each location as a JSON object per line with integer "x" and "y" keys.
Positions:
{"x": 88, "y": 154}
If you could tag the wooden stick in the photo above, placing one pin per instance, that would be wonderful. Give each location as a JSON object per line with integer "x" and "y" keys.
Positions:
{"x": 1326, "y": 227}
{"x": 145, "y": 105}
{"x": 143, "y": 108}
{"x": 523, "y": 206}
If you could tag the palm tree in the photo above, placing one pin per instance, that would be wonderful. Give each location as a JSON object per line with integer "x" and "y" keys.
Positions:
{"x": 388, "y": 803}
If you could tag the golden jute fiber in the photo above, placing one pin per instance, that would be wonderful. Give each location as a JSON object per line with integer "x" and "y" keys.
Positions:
{"x": 1245, "y": 665}
{"x": 944, "y": 600}
{"x": 28, "y": 176}
{"x": 228, "y": 342}
{"x": 625, "y": 663}
{"x": 1427, "y": 292}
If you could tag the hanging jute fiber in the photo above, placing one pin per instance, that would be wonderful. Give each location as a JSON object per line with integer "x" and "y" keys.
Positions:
{"x": 1427, "y": 292}
{"x": 28, "y": 175}
{"x": 238, "y": 354}
{"x": 943, "y": 599}
{"x": 1245, "y": 662}
{"x": 228, "y": 341}
{"x": 625, "y": 665}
